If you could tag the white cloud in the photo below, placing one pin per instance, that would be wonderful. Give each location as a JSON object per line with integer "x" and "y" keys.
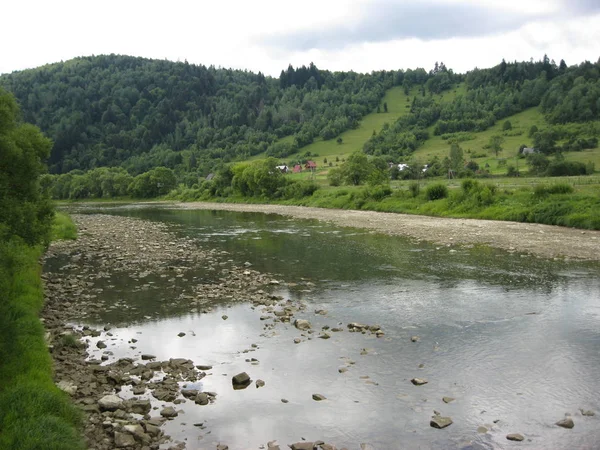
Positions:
{"x": 230, "y": 33}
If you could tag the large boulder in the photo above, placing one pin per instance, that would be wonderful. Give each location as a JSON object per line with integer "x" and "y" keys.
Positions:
{"x": 124, "y": 440}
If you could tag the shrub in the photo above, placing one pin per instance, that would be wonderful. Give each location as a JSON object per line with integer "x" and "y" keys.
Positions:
{"x": 414, "y": 188}
{"x": 511, "y": 171}
{"x": 566, "y": 168}
{"x": 335, "y": 177}
{"x": 436, "y": 191}
{"x": 560, "y": 188}
{"x": 299, "y": 189}
{"x": 469, "y": 185}
{"x": 378, "y": 193}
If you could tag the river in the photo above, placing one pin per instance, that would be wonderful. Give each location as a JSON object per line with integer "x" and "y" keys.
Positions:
{"x": 514, "y": 339}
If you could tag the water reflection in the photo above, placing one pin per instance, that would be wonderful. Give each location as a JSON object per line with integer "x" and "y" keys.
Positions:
{"x": 514, "y": 339}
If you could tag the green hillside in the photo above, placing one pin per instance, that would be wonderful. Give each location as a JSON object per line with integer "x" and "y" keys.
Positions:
{"x": 353, "y": 140}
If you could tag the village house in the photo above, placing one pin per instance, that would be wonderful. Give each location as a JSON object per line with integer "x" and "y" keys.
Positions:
{"x": 283, "y": 169}
{"x": 297, "y": 168}
{"x": 529, "y": 151}
{"x": 310, "y": 165}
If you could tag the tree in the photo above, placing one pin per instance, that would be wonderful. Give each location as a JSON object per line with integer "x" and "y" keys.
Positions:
{"x": 495, "y": 144}
{"x": 339, "y": 141}
{"x": 456, "y": 159}
{"x": 507, "y": 125}
{"x": 538, "y": 163}
{"x": 356, "y": 169}
{"x": 385, "y": 107}
{"x": 24, "y": 211}
{"x": 532, "y": 130}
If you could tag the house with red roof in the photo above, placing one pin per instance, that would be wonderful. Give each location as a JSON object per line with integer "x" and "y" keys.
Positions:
{"x": 310, "y": 165}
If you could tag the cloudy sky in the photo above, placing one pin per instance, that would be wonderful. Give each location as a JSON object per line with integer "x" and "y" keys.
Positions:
{"x": 267, "y": 35}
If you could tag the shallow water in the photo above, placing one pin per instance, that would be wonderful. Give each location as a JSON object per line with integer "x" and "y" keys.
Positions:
{"x": 513, "y": 338}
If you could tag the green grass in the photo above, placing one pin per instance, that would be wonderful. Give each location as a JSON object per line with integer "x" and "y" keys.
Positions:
{"x": 521, "y": 123}
{"x": 486, "y": 200}
{"x": 34, "y": 413}
{"x": 63, "y": 227}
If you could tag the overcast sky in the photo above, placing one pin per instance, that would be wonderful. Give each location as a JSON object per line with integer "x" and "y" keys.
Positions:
{"x": 267, "y": 35}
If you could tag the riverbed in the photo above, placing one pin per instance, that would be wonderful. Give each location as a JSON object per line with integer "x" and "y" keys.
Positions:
{"x": 509, "y": 340}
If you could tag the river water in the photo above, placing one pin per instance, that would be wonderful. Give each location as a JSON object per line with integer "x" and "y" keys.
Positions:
{"x": 514, "y": 339}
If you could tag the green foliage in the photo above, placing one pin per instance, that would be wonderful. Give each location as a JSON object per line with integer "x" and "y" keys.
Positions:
{"x": 538, "y": 163}
{"x": 138, "y": 113}
{"x": 512, "y": 171}
{"x": 456, "y": 157}
{"x": 259, "y": 178}
{"x": 63, "y": 227}
{"x": 532, "y": 131}
{"x": 495, "y": 144}
{"x": 28, "y": 398}
{"x": 335, "y": 177}
{"x": 24, "y": 210}
{"x": 436, "y": 191}
{"x": 566, "y": 168}
{"x": 156, "y": 182}
{"x": 299, "y": 189}
{"x": 507, "y": 125}
{"x": 356, "y": 169}
{"x": 414, "y": 188}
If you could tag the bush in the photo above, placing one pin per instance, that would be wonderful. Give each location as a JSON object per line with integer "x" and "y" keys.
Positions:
{"x": 436, "y": 191}
{"x": 335, "y": 177}
{"x": 511, "y": 171}
{"x": 469, "y": 185}
{"x": 299, "y": 189}
{"x": 542, "y": 190}
{"x": 566, "y": 168}
{"x": 414, "y": 188}
{"x": 378, "y": 193}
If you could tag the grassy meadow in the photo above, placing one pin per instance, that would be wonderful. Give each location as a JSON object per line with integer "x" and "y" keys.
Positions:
{"x": 34, "y": 413}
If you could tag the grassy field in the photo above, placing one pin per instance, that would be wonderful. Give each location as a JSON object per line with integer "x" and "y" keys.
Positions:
{"x": 34, "y": 413}
{"x": 474, "y": 149}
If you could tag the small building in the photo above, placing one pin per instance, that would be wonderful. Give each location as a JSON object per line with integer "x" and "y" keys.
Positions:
{"x": 283, "y": 169}
{"x": 210, "y": 176}
{"x": 402, "y": 166}
{"x": 297, "y": 168}
{"x": 529, "y": 151}
{"x": 310, "y": 165}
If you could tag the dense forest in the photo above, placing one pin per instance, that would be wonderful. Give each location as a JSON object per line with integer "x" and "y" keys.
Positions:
{"x": 139, "y": 113}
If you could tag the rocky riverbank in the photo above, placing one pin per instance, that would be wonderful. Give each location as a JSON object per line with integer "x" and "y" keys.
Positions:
{"x": 535, "y": 239}
{"x": 127, "y": 401}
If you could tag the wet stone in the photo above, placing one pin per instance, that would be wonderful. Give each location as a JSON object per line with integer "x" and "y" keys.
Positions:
{"x": 318, "y": 397}
{"x": 169, "y": 412}
{"x": 515, "y": 437}
{"x": 566, "y": 423}
{"x": 440, "y": 422}
{"x": 419, "y": 381}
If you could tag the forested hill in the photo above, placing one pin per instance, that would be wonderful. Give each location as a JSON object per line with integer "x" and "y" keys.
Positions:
{"x": 139, "y": 113}
{"x": 563, "y": 94}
